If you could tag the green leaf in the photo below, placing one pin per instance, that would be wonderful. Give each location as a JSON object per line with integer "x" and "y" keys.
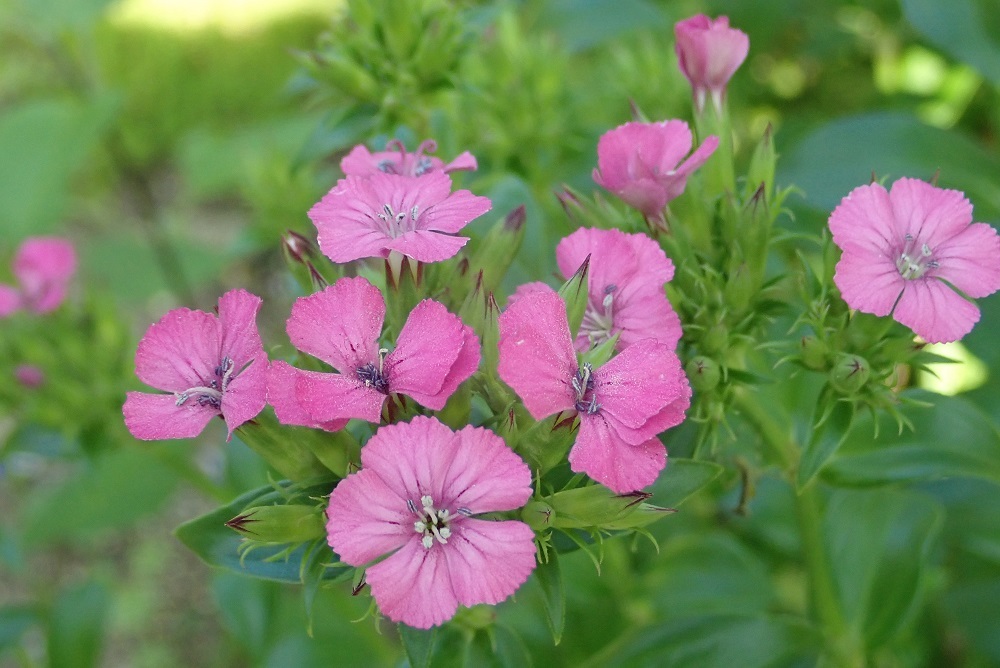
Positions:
{"x": 953, "y": 439}
{"x": 826, "y": 437}
{"x": 549, "y": 577}
{"x": 419, "y": 645}
{"x": 681, "y": 479}
{"x": 509, "y": 650}
{"x": 960, "y": 28}
{"x": 582, "y": 24}
{"x": 879, "y": 543}
{"x": 76, "y": 626}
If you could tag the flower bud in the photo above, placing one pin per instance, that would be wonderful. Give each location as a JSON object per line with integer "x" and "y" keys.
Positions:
{"x": 762, "y": 164}
{"x": 740, "y": 288}
{"x": 538, "y": 515}
{"x": 277, "y": 446}
{"x": 280, "y": 524}
{"x": 850, "y": 373}
{"x": 497, "y": 251}
{"x": 716, "y": 339}
{"x": 709, "y": 52}
{"x": 703, "y": 372}
{"x": 574, "y": 293}
{"x": 813, "y": 353}
{"x": 597, "y": 506}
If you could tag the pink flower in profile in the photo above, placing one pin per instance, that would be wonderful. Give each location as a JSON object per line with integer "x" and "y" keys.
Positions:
{"x": 641, "y": 163}
{"x": 915, "y": 252}
{"x": 625, "y": 287}
{"x": 208, "y": 366}
{"x": 622, "y": 405}
{"x": 416, "y": 217}
{"x": 435, "y": 352}
{"x": 395, "y": 160}
{"x": 709, "y": 53}
{"x": 43, "y": 267}
{"x": 416, "y": 498}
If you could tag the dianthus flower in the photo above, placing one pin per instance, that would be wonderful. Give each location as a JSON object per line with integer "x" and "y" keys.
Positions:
{"x": 625, "y": 287}
{"x": 914, "y": 251}
{"x": 370, "y": 216}
{"x": 709, "y": 53}
{"x": 416, "y": 498}
{"x": 208, "y": 365}
{"x": 43, "y": 267}
{"x": 395, "y": 160}
{"x": 435, "y": 352}
{"x": 641, "y": 163}
{"x": 622, "y": 405}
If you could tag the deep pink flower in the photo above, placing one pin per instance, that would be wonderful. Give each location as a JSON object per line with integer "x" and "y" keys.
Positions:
{"x": 709, "y": 53}
{"x": 29, "y": 375}
{"x": 622, "y": 405}
{"x": 416, "y": 498}
{"x": 373, "y": 215}
{"x": 641, "y": 163}
{"x": 43, "y": 267}
{"x": 625, "y": 286}
{"x": 209, "y": 366}
{"x": 435, "y": 352}
{"x": 907, "y": 251}
{"x": 395, "y": 160}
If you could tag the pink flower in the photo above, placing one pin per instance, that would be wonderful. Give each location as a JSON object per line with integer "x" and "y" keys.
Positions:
{"x": 43, "y": 267}
{"x": 417, "y": 217}
{"x": 915, "y": 252}
{"x": 622, "y": 405}
{"x": 416, "y": 498}
{"x": 395, "y": 160}
{"x": 625, "y": 286}
{"x": 641, "y": 163}
{"x": 209, "y": 366}
{"x": 434, "y": 354}
{"x": 709, "y": 53}
{"x": 29, "y": 375}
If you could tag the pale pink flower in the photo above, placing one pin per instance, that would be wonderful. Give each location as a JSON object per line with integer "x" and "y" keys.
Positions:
{"x": 43, "y": 267}
{"x": 208, "y": 365}
{"x": 641, "y": 163}
{"x": 622, "y": 405}
{"x": 914, "y": 251}
{"x": 709, "y": 53}
{"x": 625, "y": 287}
{"x": 29, "y": 375}
{"x": 435, "y": 352}
{"x": 416, "y": 217}
{"x": 395, "y": 160}
{"x": 416, "y": 498}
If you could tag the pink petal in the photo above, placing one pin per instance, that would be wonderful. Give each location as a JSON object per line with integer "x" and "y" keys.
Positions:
{"x": 246, "y": 395}
{"x": 44, "y": 266}
{"x": 864, "y": 224}
{"x": 527, "y": 289}
{"x": 413, "y": 586}
{"x": 536, "y": 353}
{"x": 935, "y": 312}
{"x": 466, "y": 162}
{"x": 153, "y": 417}
{"x": 413, "y": 458}
{"x": 970, "y": 260}
{"x": 679, "y": 179}
{"x": 484, "y": 475}
{"x": 454, "y": 212}
{"x": 366, "y": 519}
{"x": 638, "y": 383}
{"x": 332, "y": 396}
{"x": 179, "y": 351}
{"x": 10, "y": 300}
{"x": 601, "y": 453}
{"x": 427, "y": 349}
{"x": 931, "y": 215}
{"x": 340, "y": 325}
{"x": 359, "y": 162}
{"x": 645, "y": 313}
{"x": 238, "y": 327}
{"x": 281, "y": 379}
{"x": 345, "y": 222}
{"x": 463, "y": 368}
{"x": 426, "y": 246}
{"x": 651, "y": 258}
{"x": 868, "y": 284}
{"x": 487, "y": 561}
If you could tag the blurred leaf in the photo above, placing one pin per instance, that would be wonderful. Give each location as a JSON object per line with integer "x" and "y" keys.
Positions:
{"x": 879, "y": 543}
{"x": 419, "y": 645}
{"x": 974, "y": 607}
{"x": 681, "y": 479}
{"x": 550, "y": 578}
{"x": 246, "y": 609}
{"x": 53, "y": 15}
{"x": 953, "y": 439}
{"x": 120, "y": 488}
{"x": 43, "y": 143}
{"x": 841, "y": 155}
{"x": 76, "y": 626}
{"x": 825, "y": 439}
{"x": 582, "y": 24}
{"x": 510, "y": 651}
{"x": 14, "y": 621}
{"x": 959, "y": 28}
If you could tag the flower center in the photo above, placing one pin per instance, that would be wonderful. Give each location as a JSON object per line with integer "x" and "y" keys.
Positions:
{"x": 914, "y": 262}
{"x": 373, "y": 376}
{"x": 396, "y": 223}
{"x": 432, "y": 524}
{"x": 598, "y": 322}
{"x": 211, "y": 394}
{"x": 583, "y": 385}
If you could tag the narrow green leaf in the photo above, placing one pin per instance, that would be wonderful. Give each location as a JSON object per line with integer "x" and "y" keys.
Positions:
{"x": 827, "y": 436}
{"x": 419, "y": 645}
{"x": 681, "y": 479}
{"x": 549, "y": 578}
{"x": 76, "y": 626}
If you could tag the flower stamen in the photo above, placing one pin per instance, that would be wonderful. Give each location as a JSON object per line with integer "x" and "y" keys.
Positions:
{"x": 432, "y": 524}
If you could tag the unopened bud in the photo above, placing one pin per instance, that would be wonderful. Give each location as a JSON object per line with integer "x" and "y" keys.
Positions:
{"x": 575, "y": 293}
{"x": 598, "y": 507}
{"x": 761, "y": 171}
{"x": 739, "y": 288}
{"x": 813, "y": 353}
{"x": 297, "y": 248}
{"x": 716, "y": 339}
{"x": 538, "y": 515}
{"x": 280, "y": 524}
{"x": 850, "y": 373}
{"x": 703, "y": 372}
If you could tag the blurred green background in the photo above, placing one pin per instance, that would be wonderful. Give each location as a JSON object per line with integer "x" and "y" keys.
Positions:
{"x": 173, "y": 142}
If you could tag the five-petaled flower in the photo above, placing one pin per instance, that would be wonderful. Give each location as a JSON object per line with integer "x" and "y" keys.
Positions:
{"x": 43, "y": 267}
{"x": 709, "y": 53}
{"x": 416, "y": 498}
{"x": 641, "y": 163}
{"x": 623, "y": 405}
{"x": 435, "y": 352}
{"x": 371, "y": 216}
{"x": 208, "y": 366}
{"x": 395, "y": 160}
{"x": 908, "y": 250}
{"x": 625, "y": 287}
